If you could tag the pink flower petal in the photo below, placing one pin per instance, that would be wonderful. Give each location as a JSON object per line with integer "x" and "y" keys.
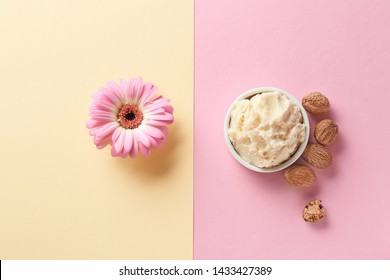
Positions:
{"x": 162, "y": 117}
{"x": 164, "y": 130}
{"x": 103, "y": 99}
{"x": 137, "y": 90}
{"x": 153, "y": 131}
{"x": 145, "y": 151}
{"x": 148, "y": 90}
{"x": 116, "y": 134}
{"x": 114, "y": 152}
{"x": 155, "y": 111}
{"x": 143, "y": 138}
{"x": 159, "y": 123}
{"x": 116, "y": 90}
{"x": 108, "y": 108}
{"x": 123, "y": 154}
{"x": 159, "y": 98}
{"x": 156, "y": 143}
{"x": 104, "y": 119}
{"x": 168, "y": 109}
{"x": 94, "y": 130}
{"x": 126, "y": 90}
{"x": 92, "y": 123}
{"x": 155, "y": 105}
{"x": 98, "y": 111}
{"x": 103, "y": 143}
{"x": 106, "y": 131}
{"x": 110, "y": 97}
{"x": 118, "y": 144}
{"x": 131, "y": 90}
{"x": 134, "y": 150}
{"x": 128, "y": 142}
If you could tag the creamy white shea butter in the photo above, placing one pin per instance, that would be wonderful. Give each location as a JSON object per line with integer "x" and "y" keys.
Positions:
{"x": 266, "y": 129}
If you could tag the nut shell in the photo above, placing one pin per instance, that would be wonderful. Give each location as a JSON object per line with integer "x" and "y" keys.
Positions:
{"x": 313, "y": 211}
{"x": 315, "y": 103}
{"x": 326, "y": 132}
{"x": 300, "y": 176}
{"x": 317, "y": 155}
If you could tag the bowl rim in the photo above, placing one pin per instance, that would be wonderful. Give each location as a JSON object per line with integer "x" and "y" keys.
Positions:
{"x": 286, "y": 163}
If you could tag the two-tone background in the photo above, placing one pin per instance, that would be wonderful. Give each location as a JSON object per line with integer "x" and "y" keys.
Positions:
{"x": 60, "y": 198}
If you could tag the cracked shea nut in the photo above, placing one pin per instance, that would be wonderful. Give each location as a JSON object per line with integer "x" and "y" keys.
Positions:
{"x": 300, "y": 176}
{"x": 317, "y": 155}
{"x": 315, "y": 103}
{"x": 326, "y": 132}
{"x": 313, "y": 211}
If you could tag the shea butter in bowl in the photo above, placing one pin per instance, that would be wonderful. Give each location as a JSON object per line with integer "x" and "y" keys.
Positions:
{"x": 266, "y": 129}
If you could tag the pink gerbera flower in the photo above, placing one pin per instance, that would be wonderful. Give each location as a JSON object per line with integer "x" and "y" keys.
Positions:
{"x": 129, "y": 117}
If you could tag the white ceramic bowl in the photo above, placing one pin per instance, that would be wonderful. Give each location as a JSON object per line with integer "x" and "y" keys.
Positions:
{"x": 283, "y": 165}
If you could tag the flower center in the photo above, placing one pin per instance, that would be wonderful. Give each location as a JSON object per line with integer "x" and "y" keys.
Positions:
{"x": 129, "y": 116}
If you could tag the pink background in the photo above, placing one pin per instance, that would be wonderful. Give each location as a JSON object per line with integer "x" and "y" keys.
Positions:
{"x": 341, "y": 48}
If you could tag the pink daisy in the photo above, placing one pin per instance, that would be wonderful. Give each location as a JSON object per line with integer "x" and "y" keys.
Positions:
{"x": 129, "y": 117}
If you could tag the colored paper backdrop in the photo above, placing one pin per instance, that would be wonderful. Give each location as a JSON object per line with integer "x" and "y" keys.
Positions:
{"x": 340, "y": 48}
{"x": 60, "y": 197}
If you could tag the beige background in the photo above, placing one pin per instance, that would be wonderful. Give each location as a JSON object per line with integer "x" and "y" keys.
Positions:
{"x": 60, "y": 197}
